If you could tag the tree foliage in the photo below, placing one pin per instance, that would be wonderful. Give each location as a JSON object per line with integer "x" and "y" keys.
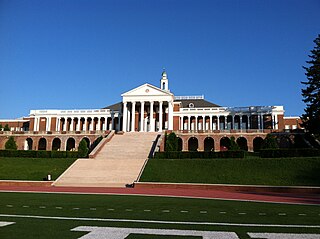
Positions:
{"x": 83, "y": 149}
{"x": 11, "y": 144}
{"x": 311, "y": 94}
{"x": 270, "y": 142}
{"x": 233, "y": 144}
{"x": 1, "y": 127}
{"x": 6, "y": 128}
{"x": 171, "y": 142}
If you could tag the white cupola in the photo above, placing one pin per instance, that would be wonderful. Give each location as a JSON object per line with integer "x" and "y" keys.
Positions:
{"x": 164, "y": 82}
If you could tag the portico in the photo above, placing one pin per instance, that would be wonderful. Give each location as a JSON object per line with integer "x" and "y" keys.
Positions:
{"x": 147, "y": 109}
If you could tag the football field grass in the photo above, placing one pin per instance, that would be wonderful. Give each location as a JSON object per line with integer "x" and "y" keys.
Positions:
{"x": 54, "y": 215}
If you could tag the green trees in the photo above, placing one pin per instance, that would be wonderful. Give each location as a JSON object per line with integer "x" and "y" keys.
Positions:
{"x": 6, "y": 128}
{"x": 270, "y": 142}
{"x": 233, "y": 144}
{"x": 11, "y": 144}
{"x": 83, "y": 149}
{"x": 311, "y": 94}
{"x": 1, "y": 127}
{"x": 171, "y": 143}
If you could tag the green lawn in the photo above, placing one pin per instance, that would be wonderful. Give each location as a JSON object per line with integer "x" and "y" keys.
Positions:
{"x": 32, "y": 168}
{"x": 249, "y": 171}
{"x": 71, "y": 211}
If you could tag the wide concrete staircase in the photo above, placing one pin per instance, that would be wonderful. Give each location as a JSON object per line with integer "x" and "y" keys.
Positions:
{"x": 118, "y": 163}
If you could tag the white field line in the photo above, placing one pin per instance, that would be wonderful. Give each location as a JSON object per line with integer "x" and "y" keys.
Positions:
{"x": 158, "y": 222}
{"x": 169, "y": 196}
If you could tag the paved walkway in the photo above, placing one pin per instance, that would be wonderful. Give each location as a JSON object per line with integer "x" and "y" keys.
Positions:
{"x": 312, "y": 199}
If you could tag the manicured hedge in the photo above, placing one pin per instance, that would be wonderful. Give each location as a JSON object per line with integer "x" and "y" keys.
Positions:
{"x": 38, "y": 154}
{"x": 283, "y": 153}
{"x": 200, "y": 155}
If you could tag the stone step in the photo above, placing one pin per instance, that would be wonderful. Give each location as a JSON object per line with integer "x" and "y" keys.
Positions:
{"x": 118, "y": 163}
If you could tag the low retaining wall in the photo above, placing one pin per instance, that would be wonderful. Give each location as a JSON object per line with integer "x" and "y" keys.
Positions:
{"x": 231, "y": 188}
{"x": 25, "y": 183}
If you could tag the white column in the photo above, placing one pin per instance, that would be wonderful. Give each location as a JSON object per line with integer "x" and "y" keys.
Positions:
{"x": 170, "y": 115}
{"x": 189, "y": 122}
{"x": 259, "y": 121}
{"x": 98, "y": 126}
{"x": 133, "y": 116}
{"x": 262, "y": 126}
{"x": 204, "y": 122}
{"x": 142, "y": 117}
{"x": 196, "y": 123}
{"x": 65, "y": 124}
{"x": 91, "y": 124}
{"x": 249, "y": 119}
{"x": 112, "y": 121}
{"x": 124, "y": 117}
{"x": 48, "y": 124}
{"x": 35, "y": 124}
{"x": 78, "y": 124}
{"x": 71, "y": 124}
{"x": 84, "y": 126}
{"x": 160, "y": 116}
{"x": 181, "y": 123}
{"x": 218, "y": 122}
{"x": 58, "y": 124}
{"x": 232, "y": 127}
{"x": 151, "y": 117}
{"x": 240, "y": 122}
{"x": 210, "y": 126}
{"x": 225, "y": 122}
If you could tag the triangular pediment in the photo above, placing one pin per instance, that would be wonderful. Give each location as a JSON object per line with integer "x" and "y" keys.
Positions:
{"x": 147, "y": 90}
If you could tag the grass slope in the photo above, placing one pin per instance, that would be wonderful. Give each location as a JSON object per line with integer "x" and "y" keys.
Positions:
{"x": 254, "y": 171}
{"x": 133, "y": 207}
{"x": 32, "y": 168}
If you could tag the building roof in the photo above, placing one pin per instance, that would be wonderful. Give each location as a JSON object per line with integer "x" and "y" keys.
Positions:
{"x": 115, "y": 107}
{"x": 197, "y": 103}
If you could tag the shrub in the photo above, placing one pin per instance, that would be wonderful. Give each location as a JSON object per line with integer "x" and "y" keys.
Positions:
{"x": 83, "y": 149}
{"x": 58, "y": 154}
{"x": 283, "y": 153}
{"x": 11, "y": 144}
{"x": 200, "y": 155}
{"x": 72, "y": 154}
{"x": 171, "y": 143}
{"x": 270, "y": 142}
{"x": 6, "y": 128}
{"x": 43, "y": 154}
{"x": 233, "y": 144}
{"x": 26, "y": 153}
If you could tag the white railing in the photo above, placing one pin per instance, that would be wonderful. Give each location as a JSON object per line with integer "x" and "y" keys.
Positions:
{"x": 190, "y": 97}
{"x": 75, "y": 111}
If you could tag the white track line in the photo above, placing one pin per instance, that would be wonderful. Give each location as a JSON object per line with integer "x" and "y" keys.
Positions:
{"x": 159, "y": 222}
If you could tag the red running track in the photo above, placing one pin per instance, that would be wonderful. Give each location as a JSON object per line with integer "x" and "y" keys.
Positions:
{"x": 312, "y": 199}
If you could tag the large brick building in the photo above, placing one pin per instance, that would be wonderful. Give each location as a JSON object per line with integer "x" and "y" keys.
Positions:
{"x": 200, "y": 124}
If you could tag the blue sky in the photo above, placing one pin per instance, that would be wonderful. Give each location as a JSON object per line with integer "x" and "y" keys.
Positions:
{"x": 71, "y": 54}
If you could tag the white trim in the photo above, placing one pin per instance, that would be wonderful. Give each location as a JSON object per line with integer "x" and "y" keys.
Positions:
{"x": 159, "y": 221}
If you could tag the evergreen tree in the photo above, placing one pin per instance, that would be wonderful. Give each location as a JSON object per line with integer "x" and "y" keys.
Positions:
{"x": 311, "y": 94}
{"x": 83, "y": 149}
{"x": 171, "y": 142}
{"x": 233, "y": 144}
{"x": 11, "y": 144}
{"x": 270, "y": 142}
{"x": 6, "y": 128}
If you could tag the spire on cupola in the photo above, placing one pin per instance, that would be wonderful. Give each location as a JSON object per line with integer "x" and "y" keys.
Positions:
{"x": 164, "y": 82}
